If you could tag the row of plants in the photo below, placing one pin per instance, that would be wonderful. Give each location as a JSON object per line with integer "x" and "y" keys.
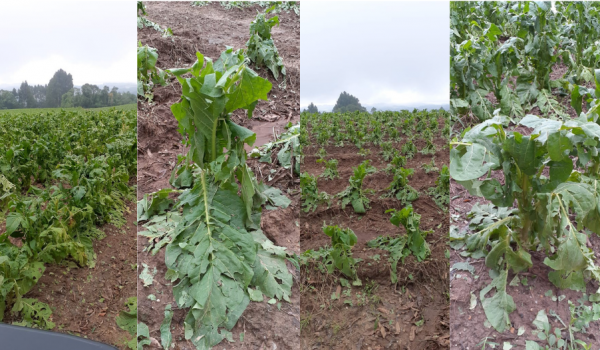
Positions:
{"x": 384, "y": 131}
{"x": 62, "y": 174}
{"x": 503, "y": 55}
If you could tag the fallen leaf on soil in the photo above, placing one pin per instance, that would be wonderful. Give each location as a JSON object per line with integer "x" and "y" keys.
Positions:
{"x": 383, "y": 310}
{"x": 382, "y": 330}
{"x": 411, "y": 337}
{"x": 407, "y": 306}
{"x": 397, "y": 328}
{"x": 338, "y": 291}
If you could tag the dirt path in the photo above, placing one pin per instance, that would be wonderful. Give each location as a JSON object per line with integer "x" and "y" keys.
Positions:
{"x": 209, "y": 29}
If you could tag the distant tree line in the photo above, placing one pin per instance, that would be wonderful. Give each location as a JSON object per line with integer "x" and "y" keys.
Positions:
{"x": 348, "y": 103}
{"x": 60, "y": 92}
{"x": 345, "y": 103}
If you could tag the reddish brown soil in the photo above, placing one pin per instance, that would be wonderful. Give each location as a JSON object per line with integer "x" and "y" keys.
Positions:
{"x": 209, "y": 29}
{"x": 467, "y": 326}
{"x": 86, "y": 301}
{"x": 333, "y": 324}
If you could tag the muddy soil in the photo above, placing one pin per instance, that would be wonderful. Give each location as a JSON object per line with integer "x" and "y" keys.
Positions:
{"x": 86, "y": 301}
{"x": 209, "y": 29}
{"x": 468, "y": 327}
{"x": 377, "y": 315}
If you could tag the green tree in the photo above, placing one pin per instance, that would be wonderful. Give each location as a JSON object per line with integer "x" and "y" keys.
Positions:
{"x": 67, "y": 99}
{"x": 8, "y": 100}
{"x": 312, "y": 108}
{"x": 26, "y": 99}
{"x": 348, "y": 103}
{"x": 60, "y": 84}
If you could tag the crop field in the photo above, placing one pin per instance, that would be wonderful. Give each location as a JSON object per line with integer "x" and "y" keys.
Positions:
{"x": 67, "y": 224}
{"x": 76, "y": 109}
{"x": 374, "y": 223}
{"x": 197, "y": 149}
{"x": 524, "y": 163}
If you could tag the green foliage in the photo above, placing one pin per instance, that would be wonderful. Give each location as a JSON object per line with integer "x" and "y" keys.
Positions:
{"x": 355, "y": 194}
{"x": 288, "y": 149}
{"x": 340, "y": 255}
{"x": 502, "y": 55}
{"x": 429, "y": 167}
{"x": 216, "y": 259}
{"x": 388, "y": 151}
{"x": 35, "y": 314}
{"x": 204, "y": 116}
{"x": 409, "y": 149}
{"x": 416, "y": 237}
{"x": 331, "y": 171}
{"x": 82, "y": 162}
{"x": 552, "y": 211}
{"x": 165, "y": 328}
{"x": 127, "y": 321}
{"x": 441, "y": 192}
{"x": 261, "y": 47}
{"x": 143, "y": 336}
{"x": 311, "y": 198}
{"x": 400, "y": 188}
{"x": 400, "y": 247}
{"x": 216, "y": 255}
{"x": 397, "y": 161}
{"x": 148, "y": 75}
{"x": 143, "y": 22}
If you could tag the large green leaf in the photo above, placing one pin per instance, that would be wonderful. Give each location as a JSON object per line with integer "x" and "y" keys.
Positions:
{"x": 498, "y": 307}
{"x": 250, "y": 88}
{"x": 523, "y": 149}
{"x": 470, "y": 164}
{"x": 216, "y": 260}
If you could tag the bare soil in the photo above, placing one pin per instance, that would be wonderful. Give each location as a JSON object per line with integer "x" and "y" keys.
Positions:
{"x": 387, "y": 320}
{"x": 209, "y": 29}
{"x": 86, "y": 301}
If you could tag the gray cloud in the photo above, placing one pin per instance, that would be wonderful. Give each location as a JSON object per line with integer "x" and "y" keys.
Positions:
{"x": 381, "y": 52}
{"x": 94, "y": 41}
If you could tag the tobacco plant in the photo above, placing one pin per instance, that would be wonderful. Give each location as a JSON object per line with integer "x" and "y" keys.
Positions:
{"x": 331, "y": 171}
{"x": 340, "y": 255}
{"x": 261, "y": 47}
{"x": 79, "y": 165}
{"x": 355, "y": 194}
{"x": 441, "y": 192}
{"x": 311, "y": 197}
{"x": 148, "y": 75}
{"x": 402, "y": 246}
{"x": 552, "y": 211}
{"x": 400, "y": 189}
{"x": 218, "y": 256}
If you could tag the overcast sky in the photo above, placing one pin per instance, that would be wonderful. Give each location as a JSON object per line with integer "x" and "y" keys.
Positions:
{"x": 381, "y": 52}
{"x": 94, "y": 41}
